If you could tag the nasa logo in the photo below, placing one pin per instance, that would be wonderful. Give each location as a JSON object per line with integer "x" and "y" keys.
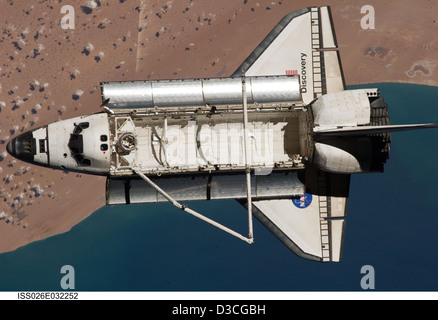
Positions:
{"x": 303, "y": 202}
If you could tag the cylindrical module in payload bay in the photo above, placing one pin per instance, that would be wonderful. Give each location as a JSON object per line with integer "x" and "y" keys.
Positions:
{"x": 200, "y": 92}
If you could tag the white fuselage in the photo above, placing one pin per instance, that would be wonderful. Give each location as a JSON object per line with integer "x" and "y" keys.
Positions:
{"x": 156, "y": 134}
{"x": 52, "y": 144}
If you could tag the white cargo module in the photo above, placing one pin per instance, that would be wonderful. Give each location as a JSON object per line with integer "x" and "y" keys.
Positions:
{"x": 281, "y": 136}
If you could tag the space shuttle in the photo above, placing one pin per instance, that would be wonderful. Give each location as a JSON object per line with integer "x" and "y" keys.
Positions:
{"x": 281, "y": 135}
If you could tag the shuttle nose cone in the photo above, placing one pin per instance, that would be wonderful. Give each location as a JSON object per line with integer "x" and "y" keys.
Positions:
{"x": 10, "y": 147}
{"x": 22, "y": 147}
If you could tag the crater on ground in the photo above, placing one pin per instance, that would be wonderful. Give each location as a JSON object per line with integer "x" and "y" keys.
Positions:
{"x": 376, "y": 51}
{"x": 418, "y": 68}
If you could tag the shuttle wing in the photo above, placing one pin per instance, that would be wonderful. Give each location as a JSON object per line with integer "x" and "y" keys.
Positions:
{"x": 312, "y": 225}
{"x": 303, "y": 43}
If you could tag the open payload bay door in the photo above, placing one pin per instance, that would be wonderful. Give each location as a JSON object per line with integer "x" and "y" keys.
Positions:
{"x": 303, "y": 43}
{"x": 313, "y": 225}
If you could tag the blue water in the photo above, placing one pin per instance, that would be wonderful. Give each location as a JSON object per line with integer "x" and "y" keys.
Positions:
{"x": 392, "y": 225}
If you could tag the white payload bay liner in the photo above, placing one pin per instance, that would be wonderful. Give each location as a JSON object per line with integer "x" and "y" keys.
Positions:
{"x": 283, "y": 121}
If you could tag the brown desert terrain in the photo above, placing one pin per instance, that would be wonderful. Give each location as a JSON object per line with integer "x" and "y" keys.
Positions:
{"x": 48, "y": 74}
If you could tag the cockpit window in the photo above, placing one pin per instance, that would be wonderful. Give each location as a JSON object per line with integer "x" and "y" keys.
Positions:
{"x": 76, "y": 144}
{"x": 81, "y": 126}
{"x": 82, "y": 160}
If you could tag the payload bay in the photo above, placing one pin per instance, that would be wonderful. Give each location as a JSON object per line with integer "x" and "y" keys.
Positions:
{"x": 205, "y": 141}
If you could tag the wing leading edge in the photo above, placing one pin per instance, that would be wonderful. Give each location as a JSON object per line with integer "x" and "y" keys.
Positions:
{"x": 312, "y": 226}
{"x": 303, "y": 43}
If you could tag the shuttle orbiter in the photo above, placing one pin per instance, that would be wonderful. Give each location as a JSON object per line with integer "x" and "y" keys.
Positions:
{"x": 281, "y": 136}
